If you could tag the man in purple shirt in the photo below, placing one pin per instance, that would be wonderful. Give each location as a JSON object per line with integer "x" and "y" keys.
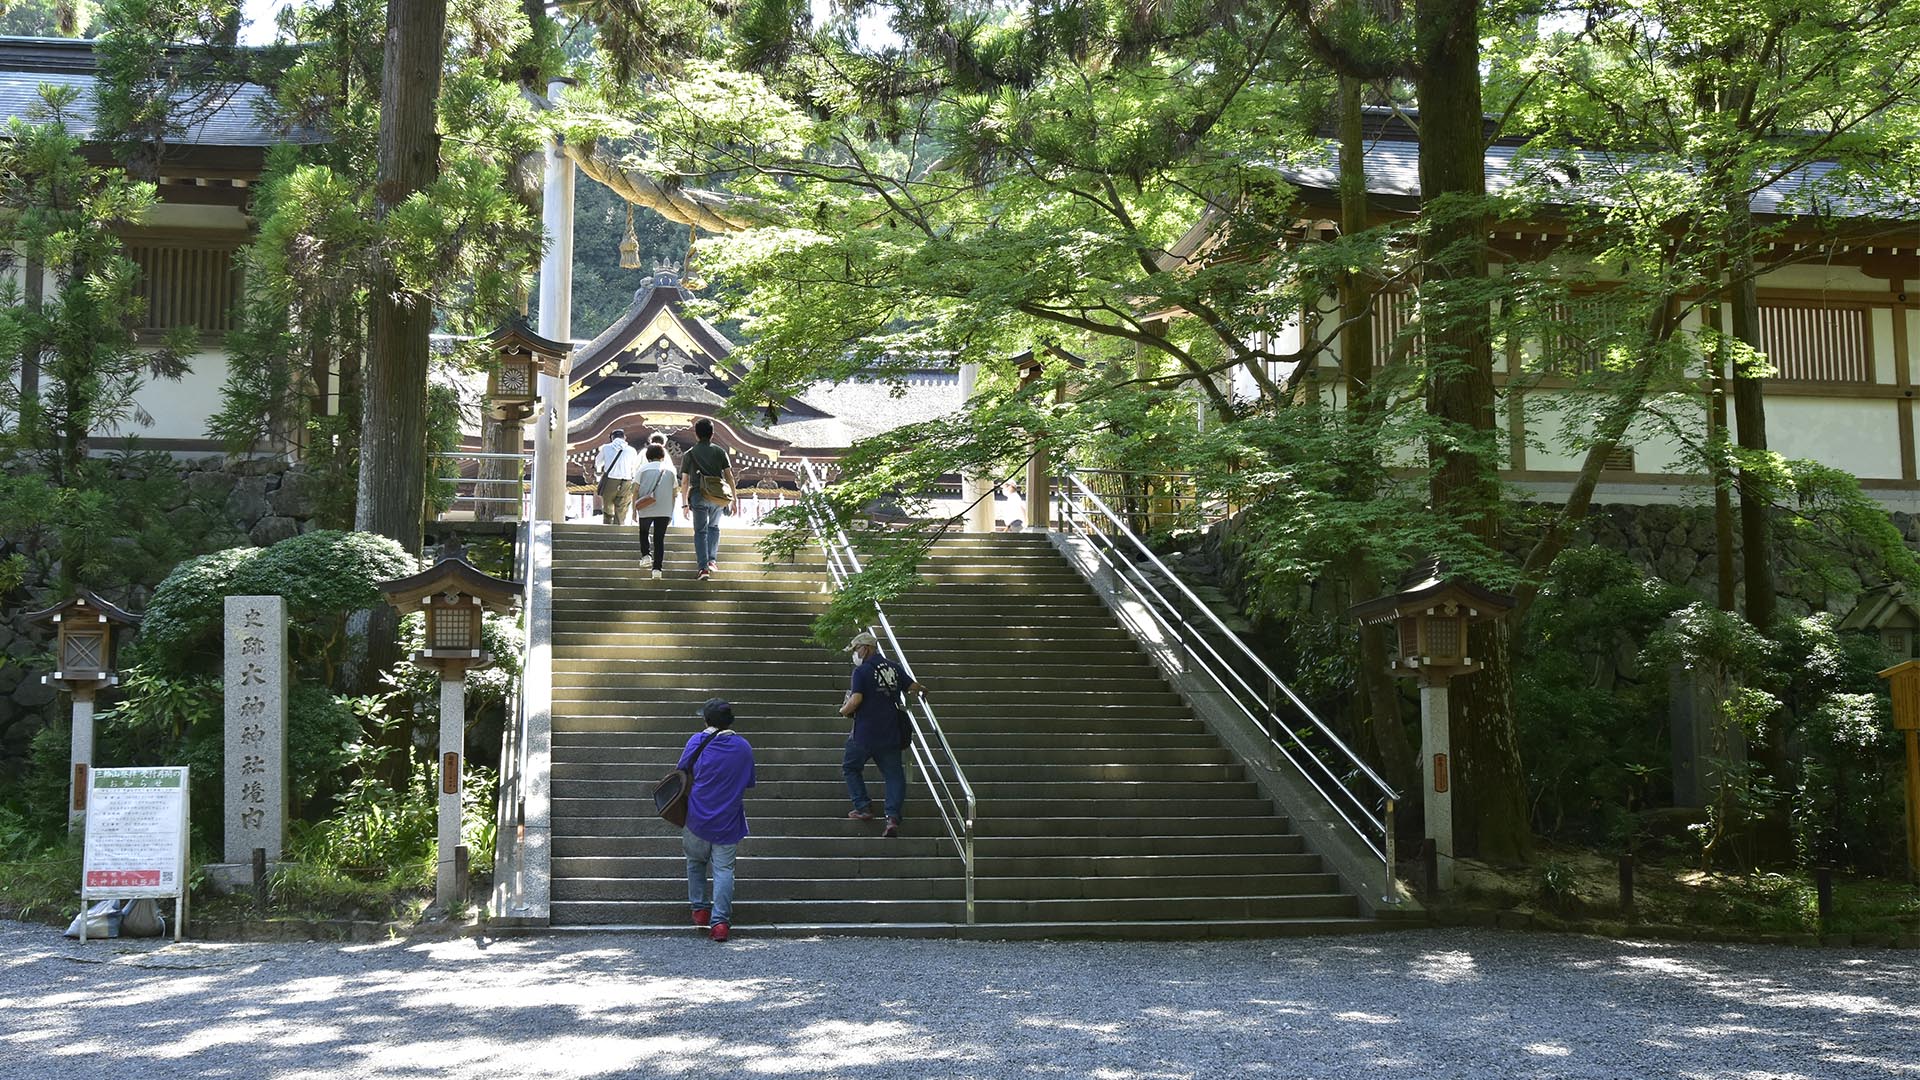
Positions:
{"x": 721, "y": 764}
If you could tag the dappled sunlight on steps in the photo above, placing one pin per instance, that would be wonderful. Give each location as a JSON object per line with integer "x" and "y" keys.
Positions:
{"x": 1107, "y": 809}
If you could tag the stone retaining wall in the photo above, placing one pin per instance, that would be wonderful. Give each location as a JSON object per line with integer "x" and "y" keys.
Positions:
{"x": 244, "y": 502}
{"x": 1672, "y": 543}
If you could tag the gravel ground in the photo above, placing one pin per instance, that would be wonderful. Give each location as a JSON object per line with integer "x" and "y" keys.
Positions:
{"x": 1424, "y": 1004}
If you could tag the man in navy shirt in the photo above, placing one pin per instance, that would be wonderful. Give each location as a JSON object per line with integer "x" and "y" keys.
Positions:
{"x": 874, "y": 701}
{"x": 716, "y": 814}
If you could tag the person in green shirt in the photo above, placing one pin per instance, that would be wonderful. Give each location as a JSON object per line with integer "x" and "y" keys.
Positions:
{"x": 704, "y": 468}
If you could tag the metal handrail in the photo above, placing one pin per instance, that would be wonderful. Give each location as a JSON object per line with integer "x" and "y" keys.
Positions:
{"x": 524, "y": 484}
{"x": 510, "y": 810}
{"x": 953, "y": 798}
{"x": 1374, "y": 828}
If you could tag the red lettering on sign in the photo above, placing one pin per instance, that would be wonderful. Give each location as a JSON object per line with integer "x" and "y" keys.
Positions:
{"x": 109, "y": 879}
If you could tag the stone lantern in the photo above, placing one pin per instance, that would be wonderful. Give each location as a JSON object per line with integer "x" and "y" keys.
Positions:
{"x": 1888, "y": 613}
{"x": 1433, "y": 613}
{"x": 520, "y": 358}
{"x": 454, "y": 596}
{"x": 84, "y": 650}
{"x": 523, "y": 362}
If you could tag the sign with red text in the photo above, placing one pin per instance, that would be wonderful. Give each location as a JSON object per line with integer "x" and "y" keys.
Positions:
{"x": 136, "y": 833}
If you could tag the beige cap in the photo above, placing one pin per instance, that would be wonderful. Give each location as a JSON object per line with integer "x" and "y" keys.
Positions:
{"x": 863, "y": 638}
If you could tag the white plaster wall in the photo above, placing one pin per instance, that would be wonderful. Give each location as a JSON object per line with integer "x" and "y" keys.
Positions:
{"x": 1659, "y": 446}
{"x": 1862, "y": 437}
{"x": 188, "y": 216}
{"x": 180, "y": 409}
{"x": 1880, "y": 323}
{"x": 1913, "y": 348}
{"x": 1818, "y": 276}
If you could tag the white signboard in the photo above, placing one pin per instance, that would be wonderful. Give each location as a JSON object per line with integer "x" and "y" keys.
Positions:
{"x": 136, "y": 836}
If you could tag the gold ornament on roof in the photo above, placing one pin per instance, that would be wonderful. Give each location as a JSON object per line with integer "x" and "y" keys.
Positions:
{"x": 630, "y": 245}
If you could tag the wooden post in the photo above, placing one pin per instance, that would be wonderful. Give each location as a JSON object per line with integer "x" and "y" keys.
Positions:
{"x": 1913, "y": 803}
{"x": 259, "y": 881}
{"x": 1436, "y": 752}
{"x": 1903, "y": 680}
{"x": 80, "y": 759}
{"x": 449, "y": 882}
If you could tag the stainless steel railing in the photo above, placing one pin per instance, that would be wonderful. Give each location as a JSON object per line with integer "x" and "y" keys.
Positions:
{"x": 946, "y": 781}
{"x": 522, "y": 810}
{"x": 1350, "y": 787}
{"x": 1152, "y": 502}
{"x": 504, "y": 496}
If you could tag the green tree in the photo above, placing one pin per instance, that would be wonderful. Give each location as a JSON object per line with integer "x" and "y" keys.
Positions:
{"x": 448, "y": 249}
{"x": 62, "y": 219}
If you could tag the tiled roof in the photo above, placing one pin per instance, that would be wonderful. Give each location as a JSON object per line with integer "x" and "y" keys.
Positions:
{"x": 28, "y": 63}
{"x": 857, "y": 409}
{"x": 1582, "y": 176}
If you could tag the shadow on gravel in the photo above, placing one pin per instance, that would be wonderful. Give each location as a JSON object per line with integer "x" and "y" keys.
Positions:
{"x": 1413, "y": 1004}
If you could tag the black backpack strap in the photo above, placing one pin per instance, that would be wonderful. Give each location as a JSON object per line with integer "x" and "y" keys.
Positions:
{"x": 696, "y": 756}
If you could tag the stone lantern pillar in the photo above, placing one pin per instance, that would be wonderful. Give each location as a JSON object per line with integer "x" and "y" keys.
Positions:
{"x": 84, "y": 650}
{"x": 522, "y": 362}
{"x": 454, "y": 596}
{"x": 1433, "y": 613}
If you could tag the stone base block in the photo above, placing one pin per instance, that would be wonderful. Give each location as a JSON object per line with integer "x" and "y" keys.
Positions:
{"x": 228, "y": 878}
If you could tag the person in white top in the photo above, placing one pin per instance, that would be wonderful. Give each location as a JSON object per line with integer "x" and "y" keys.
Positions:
{"x": 618, "y": 463}
{"x": 653, "y": 490}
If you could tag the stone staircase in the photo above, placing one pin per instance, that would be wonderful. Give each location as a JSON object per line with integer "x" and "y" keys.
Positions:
{"x": 1105, "y": 807}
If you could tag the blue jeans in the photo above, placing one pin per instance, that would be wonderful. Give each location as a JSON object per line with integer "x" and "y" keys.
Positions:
{"x": 706, "y": 530}
{"x": 700, "y": 855}
{"x": 854, "y": 766}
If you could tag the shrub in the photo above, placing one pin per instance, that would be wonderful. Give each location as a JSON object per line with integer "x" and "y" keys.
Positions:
{"x": 324, "y": 576}
{"x": 1559, "y": 887}
{"x": 185, "y": 612}
{"x": 1593, "y": 743}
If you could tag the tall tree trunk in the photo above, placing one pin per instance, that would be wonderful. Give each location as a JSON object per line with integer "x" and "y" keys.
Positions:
{"x": 1379, "y": 698}
{"x": 1750, "y": 434}
{"x": 1490, "y": 809}
{"x": 1773, "y": 838}
{"x": 1723, "y": 575}
{"x": 30, "y": 351}
{"x": 393, "y": 434}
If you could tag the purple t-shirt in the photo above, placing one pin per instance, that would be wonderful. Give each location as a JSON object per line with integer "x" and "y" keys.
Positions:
{"x": 715, "y": 810}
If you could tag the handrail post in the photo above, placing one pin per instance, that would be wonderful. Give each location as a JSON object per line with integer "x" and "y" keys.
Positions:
{"x": 1104, "y": 532}
{"x": 840, "y": 557}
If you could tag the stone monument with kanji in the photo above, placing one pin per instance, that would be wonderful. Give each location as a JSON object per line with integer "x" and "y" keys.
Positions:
{"x": 256, "y": 729}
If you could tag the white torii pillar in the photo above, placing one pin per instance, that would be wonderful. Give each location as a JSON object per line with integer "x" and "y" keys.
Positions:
{"x": 556, "y": 323}
{"x": 975, "y": 490}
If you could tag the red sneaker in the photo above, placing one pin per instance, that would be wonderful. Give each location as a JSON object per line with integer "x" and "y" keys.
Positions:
{"x": 719, "y": 931}
{"x": 700, "y": 916}
{"x": 860, "y": 815}
{"x": 893, "y": 827}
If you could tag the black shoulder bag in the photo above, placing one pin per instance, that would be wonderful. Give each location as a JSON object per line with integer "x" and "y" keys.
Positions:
{"x": 670, "y": 794}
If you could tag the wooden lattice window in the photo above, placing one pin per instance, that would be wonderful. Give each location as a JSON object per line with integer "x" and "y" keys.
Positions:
{"x": 1392, "y": 314}
{"x": 1584, "y": 330}
{"x": 1620, "y": 460}
{"x": 186, "y": 284}
{"x": 452, "y": 629}
{"x": 1816, "y": 342}
{"x": 84, "y": 652}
